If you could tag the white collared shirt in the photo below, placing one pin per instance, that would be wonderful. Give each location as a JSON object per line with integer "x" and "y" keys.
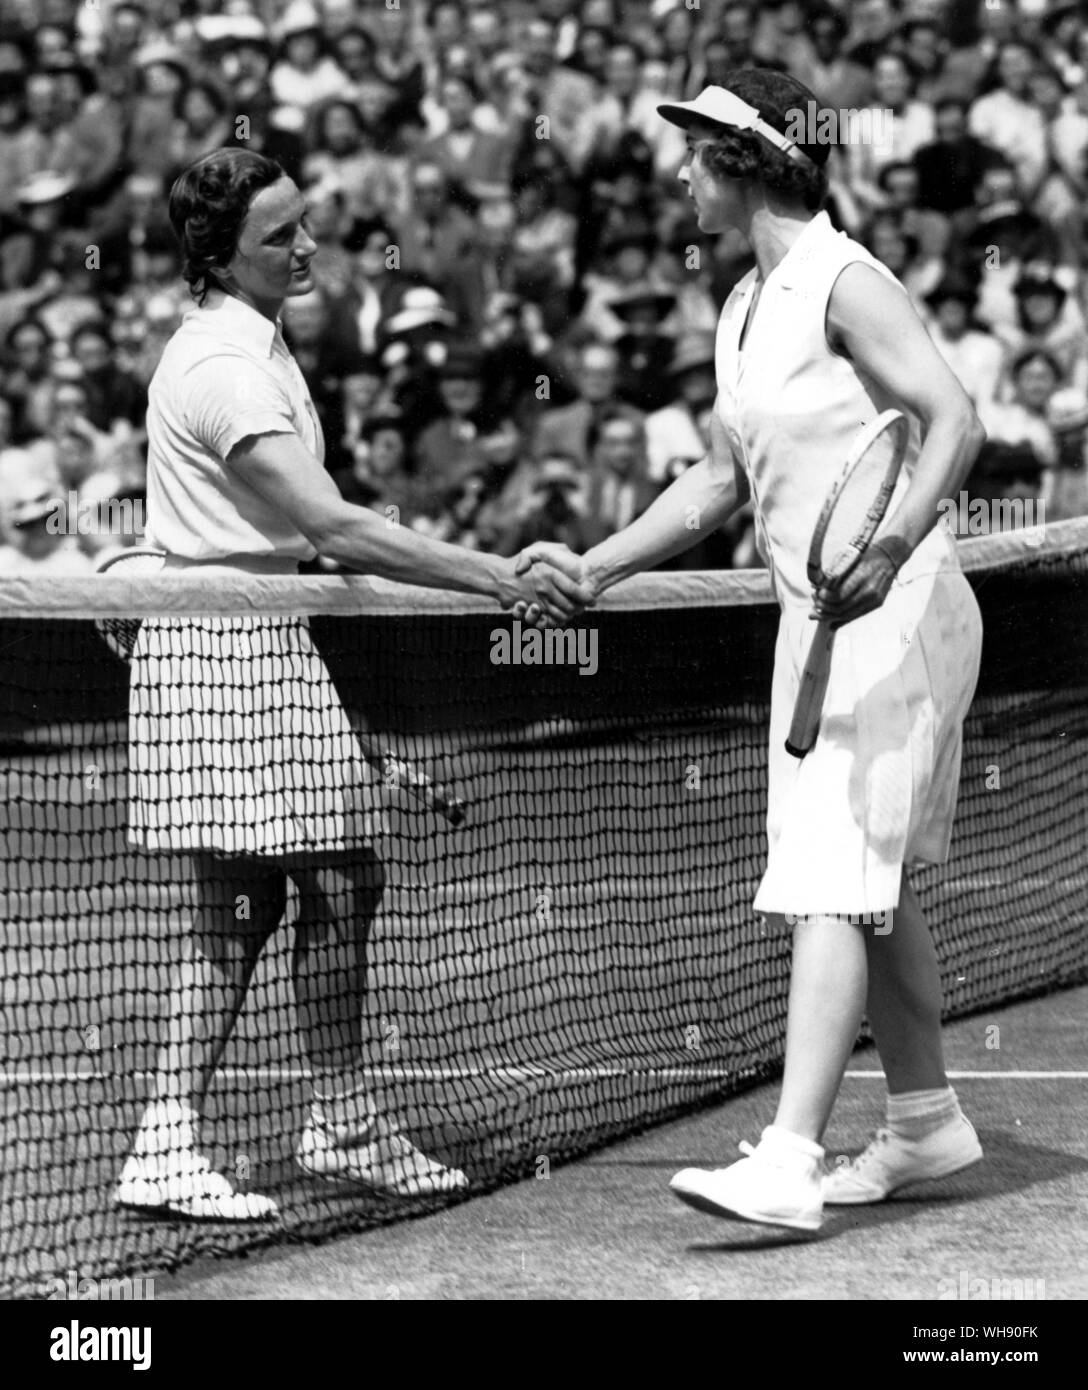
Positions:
{"x": 224, "y": 376}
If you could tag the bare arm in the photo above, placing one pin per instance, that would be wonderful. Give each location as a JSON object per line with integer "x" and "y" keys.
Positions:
{"x": 870, "y": 320}
{"x": 284, "y": 472}
{"x": 699, "y": 501}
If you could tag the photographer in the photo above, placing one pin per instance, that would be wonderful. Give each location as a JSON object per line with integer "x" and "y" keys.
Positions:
{"x": 553, "y": 507}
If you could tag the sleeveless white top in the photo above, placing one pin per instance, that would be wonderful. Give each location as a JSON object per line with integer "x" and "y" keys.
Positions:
{"x": 792, "y": 408}
{"x": 879, "y": 788}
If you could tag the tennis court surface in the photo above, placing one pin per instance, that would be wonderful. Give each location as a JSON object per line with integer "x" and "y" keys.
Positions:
{"x": 607, "y": 1227}
{"x": 578, "y": 962}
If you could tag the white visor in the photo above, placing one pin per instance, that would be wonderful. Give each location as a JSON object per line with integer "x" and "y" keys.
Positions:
{"x": 717, "y": 106}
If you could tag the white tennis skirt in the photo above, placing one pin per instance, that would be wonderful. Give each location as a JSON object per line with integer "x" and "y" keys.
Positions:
{"x": 878, "y": 790}
{"x": 239, "y": 743}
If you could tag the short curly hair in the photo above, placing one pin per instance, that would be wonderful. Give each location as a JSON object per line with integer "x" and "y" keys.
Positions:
{"x": 208, "y": 206}
{"x": 742, "y": 154}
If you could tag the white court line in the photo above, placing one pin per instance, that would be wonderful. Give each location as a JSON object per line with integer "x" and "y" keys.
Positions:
{"x": 987, "y": 1075}
{"x": 522, "y": 1073}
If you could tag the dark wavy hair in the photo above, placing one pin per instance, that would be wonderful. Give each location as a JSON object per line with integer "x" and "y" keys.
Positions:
{"x": 741, "y": 154}
{"x": 208, "y": 206}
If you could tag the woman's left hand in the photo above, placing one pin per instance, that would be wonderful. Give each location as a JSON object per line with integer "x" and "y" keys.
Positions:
{"x": 862, "y": 591}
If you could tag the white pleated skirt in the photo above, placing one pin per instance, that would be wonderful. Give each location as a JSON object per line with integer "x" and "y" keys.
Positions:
{"x": 878, "y": 790}
{"x": 239, "y": 743}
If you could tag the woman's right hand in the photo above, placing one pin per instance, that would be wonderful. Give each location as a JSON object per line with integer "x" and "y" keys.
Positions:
{"x": 559, "y": 580}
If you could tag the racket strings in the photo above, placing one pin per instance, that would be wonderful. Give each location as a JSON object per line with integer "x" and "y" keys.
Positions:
{"x": 861, "y": 503}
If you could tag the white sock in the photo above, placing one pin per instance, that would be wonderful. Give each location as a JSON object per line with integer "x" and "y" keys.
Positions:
{"x": 916, "y": 1114}
{"x": 343, "y": 1107}
{"x": 167, "y": 1126}
{"x": 788, "y": 1149}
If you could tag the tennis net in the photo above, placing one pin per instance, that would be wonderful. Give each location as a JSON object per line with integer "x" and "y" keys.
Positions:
{"x": 576, "y": 961}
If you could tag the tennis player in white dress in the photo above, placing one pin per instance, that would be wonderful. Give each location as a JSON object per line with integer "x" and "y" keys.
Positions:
{"x": 812, "y": 345}
{"x": 241, "y": 755}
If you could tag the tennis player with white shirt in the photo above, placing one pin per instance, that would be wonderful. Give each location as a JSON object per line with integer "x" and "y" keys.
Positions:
{"x": 812, "y": 345}
{"x": 241, "y": 755}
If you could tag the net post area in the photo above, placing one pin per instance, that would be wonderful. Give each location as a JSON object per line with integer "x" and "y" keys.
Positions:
{"x": 578, "y": 959}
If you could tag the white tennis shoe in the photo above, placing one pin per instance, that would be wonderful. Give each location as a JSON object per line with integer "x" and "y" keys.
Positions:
{"x": 765, "y": 1186}
{"x": 889, "y": 1163}
{"x": 382, "y": 1159}
{"x": 183, "y": 1181}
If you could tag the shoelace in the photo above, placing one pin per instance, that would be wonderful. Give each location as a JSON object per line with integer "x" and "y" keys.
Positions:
{"x": 869, "y": 1153}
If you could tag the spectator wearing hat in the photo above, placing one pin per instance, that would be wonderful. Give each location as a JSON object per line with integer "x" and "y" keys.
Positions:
{"x": 303, "y": 75}
{"x": 677, "y": 434}
{"x": 975, "y": 355}
{"x": 449, "y": 448}
{"x": 627, "y": 257}
{"x": 644, "y": 349}
{"x": 566, "y": 429}
{"x": 438, "y": 244}
{"x": 1049, "y": 318}
{"x": 30, "y": 543}
{"x": 244, "y": 51}
{"x": 414, "y": 347}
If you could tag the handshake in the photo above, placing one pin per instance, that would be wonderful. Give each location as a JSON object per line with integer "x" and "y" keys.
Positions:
{"x": 549, "y": 585}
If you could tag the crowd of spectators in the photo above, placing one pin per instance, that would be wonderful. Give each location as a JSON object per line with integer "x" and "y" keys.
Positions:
{"x": 512, "y": 331}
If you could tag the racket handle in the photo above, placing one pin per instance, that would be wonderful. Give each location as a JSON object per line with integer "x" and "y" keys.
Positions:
{"x": 810, "y": 697}
{"x": 398, "y": 772}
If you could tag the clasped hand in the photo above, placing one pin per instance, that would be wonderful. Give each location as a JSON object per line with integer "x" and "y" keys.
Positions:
{"x": 863, "y": 590}
{"x": 550, "y": 586}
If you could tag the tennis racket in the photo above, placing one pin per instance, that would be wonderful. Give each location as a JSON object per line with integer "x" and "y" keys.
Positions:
{"x": 847, "y": 523}
{"x": 397, "y": 773}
